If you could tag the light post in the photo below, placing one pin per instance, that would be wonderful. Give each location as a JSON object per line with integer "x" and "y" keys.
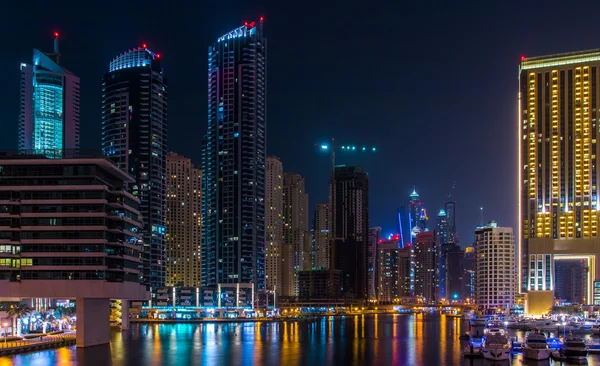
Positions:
{"x": 332, "y": 147}
{"x": 564, "y": 331}
{"x": 5, "y": 324}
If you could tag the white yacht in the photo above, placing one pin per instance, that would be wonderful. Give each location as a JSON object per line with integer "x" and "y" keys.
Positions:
{"x": 511, "y": 321}
{"x": 536, "y": 347}
{"x": 574, "y": 348}
{"x": 496, "y": 346}
{"x": 478, "y": 320}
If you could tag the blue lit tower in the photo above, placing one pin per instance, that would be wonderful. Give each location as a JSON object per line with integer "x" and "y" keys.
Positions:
{"x": 49, "y": 118}
{"x": 233, "y": 159}
{"x": 134, "y": 135}
{"x": 450, "y": 209}
{"x": 415, "y": 211}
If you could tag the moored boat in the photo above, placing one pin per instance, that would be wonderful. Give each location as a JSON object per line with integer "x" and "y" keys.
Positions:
{"x": 496, "y": 347}
{"x": 536, "y": 347}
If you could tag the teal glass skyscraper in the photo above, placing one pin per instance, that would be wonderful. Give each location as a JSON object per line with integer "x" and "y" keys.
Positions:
{"x": 49, "y": 116}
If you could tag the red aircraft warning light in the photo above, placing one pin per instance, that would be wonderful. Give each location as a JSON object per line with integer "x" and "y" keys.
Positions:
{"x": 56, "y": 34}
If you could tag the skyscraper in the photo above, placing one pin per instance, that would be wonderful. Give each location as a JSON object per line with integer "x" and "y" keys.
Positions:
{"x": 372, "y": 256}
{"x": 393, "y": 271}
{"x": 558, "y": 164}
{"x": 450, "y": 209}
{"x": 295, "y": 227}
{"x": 322, "y": 233}
{"x": 134, "y": 136}
{"x": 494, "y": 267}
{"x": 274, "y": 221}
{"x": 442, "y": 227}
{"x": 351, "y": 192}
{"x": 184, "y": 222}
{"x": 426, "y": 266}
{"x": 417, "y": 223}
{"x": 49, "y": 118}
{"x": 233, "y": 159}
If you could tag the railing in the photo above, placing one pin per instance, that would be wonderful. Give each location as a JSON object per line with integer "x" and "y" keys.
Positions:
{"x": 57, "y": 339}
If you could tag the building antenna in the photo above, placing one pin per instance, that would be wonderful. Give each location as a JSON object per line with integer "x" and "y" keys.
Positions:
{"x": 451, "y": 190}
{"x": 481, "y": 216}
{"x": 56, "y": 52}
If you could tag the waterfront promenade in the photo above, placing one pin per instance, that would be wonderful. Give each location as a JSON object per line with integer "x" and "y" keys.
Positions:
{"x": 36, "y": 344}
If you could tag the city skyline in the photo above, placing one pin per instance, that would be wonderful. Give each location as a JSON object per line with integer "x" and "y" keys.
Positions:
{"x": 298, "y": 102}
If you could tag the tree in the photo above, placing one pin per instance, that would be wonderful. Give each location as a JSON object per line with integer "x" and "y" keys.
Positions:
{"x": 17, "y": 312}
{"x": 46, "y": 317}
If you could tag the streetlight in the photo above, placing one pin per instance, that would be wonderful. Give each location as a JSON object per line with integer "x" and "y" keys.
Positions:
{"x": 564, "y": 331}
{"x": 5, "y": 324}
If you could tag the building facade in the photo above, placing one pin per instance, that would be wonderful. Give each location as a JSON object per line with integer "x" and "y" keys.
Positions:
{"x": 295, "y": 228}
{"x": 494, "y": 252}
{"x": 274, "y": 225}
{"x": 134, "y": 135}
{"x": 70, "y": 230}
{"x": 372, "y": 256}
{"x": 351, "y": 192}
{"x": 558, "y": 165}
{"x": 322, "y": 234}
{"x": 393, "y": 272}
{"x": 49, "y": 115}
{"x": 425, "y": 252}
{"x": 233, "y": 159}
{"x": 184, "y": 222}
{"x": 450, "y": 210}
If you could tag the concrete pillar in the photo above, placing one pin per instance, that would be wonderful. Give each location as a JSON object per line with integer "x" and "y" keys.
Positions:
{"x": 252, "y": 298}
{"x": 93, "y": 321}
{"x": 237, "y": 295}
{"x": 218, "y": 296}
{"x": 124, "y": 315}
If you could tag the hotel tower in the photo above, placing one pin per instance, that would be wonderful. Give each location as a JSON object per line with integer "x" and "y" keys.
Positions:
{"x": 558, "y": 165}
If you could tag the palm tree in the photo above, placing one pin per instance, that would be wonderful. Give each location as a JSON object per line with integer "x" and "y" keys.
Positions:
{"x": 46, "y": 317}
{"x": 17, "y": 312}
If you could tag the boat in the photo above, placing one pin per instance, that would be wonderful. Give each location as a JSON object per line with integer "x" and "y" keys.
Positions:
{"x": 494, "y": 331}
{"x": 511, "y": 321}
{"x": 596, "y": 329}
{"x": 536, "y": 347}
{"x": 496, "y": 346}
{"x": 574, "y": 348}
{"x": 478, "y": 320}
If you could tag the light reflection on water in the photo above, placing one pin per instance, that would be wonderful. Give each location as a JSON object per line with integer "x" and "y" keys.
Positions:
{"x": 418, "y": 339}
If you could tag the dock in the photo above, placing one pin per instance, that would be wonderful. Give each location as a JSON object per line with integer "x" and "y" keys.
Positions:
{"x": 23, "y": 346}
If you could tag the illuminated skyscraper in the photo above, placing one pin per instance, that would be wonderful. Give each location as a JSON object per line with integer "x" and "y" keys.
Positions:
{"x": 425, "y": 253}
{"x": 417, "y": 217}
{"x": 374, "y": 238}
{"x": 392, "y": 276}
{"x": 233, "y": 159}
{"x": 450, "y": 210}
{"x": 274, "y": 222}
{"x": 494, "y": 267}
{"x": 184, "y": 222}
{"x": 322, "y": 230}
{"x": 134, "y": 136}
{"x": 295, "y": 228}
{"x": 49, "y": 118}
{"x": 559, "y": 104}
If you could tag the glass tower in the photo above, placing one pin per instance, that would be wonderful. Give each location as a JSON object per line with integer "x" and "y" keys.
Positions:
{"x": 134, "y": 136}
{"x": 233, "y": 159}
{"x": 49, "y": 118}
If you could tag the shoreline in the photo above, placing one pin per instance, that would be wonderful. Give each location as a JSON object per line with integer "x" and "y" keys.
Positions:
{"x": 256, "y": 320}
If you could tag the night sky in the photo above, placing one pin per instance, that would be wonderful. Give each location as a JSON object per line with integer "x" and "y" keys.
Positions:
{"x": 433, "y": 86}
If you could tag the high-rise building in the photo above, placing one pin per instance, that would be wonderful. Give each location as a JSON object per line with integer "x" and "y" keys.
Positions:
{"x": 134, "y": 136}
{"x": 416, "y": 215}
{"x": 443, "y": 233}
{"x": 450, "y": 210}
{"x": 374, "y": 238}
{"x": 468, "y": 277}
{"x": 184, "y": 222}
{"x": 558, "y": 164}
{"x": 322, "y": 233}
{"x": 451, "y": 285}
{"x": 233, "y": 159}
{"x": 49, "y": 118}
{"x": 69, "y": 229}
{"x": 274, "y": 225}
{"x": 393, "y": 271}
{"x": 494, "y": 267}
{"x": 425, "y": 252}
{"x": 351, "y": 192}
{"x": 295, "y": 227}
{"x": 442, "y": 227}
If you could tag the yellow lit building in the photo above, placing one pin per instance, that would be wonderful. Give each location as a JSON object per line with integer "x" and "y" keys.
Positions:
{"x": 558, "y": 166}
{"x": 184, "y": 222}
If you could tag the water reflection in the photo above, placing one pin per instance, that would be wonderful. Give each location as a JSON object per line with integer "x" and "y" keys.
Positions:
{"x": 420, "y": 339}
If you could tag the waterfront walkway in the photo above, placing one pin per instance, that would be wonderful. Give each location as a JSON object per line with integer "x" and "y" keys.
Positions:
{"x": 35, "y": 344}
